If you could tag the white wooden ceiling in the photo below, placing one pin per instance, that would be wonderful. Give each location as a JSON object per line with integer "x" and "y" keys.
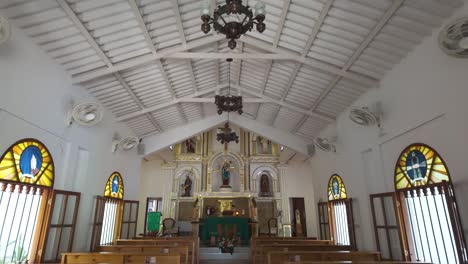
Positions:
{"x": 150, "y": 64}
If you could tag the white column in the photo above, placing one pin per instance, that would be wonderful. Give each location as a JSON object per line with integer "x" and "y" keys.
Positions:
{"x": 168, "y": 187}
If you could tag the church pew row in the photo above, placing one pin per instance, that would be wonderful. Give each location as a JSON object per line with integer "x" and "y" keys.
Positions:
{"x": 280, "y": 257}
{"x": 264, "y": 249}
{"x": 188, "y": 242}
{"x": 355, "y": 262}
{"x": 257, "y": 243}
{"x": 181, "y": 250}
{"x": 118, "y": 258}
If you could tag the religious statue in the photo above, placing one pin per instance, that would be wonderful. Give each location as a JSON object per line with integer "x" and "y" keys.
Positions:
{"x": 299, "y": 232}
{"x": 225, "y": 173}
{"x": 190, "y": 145}
{"x": 263, "y": 145}
{"x": 115, "y": 185}
{"x": 187, "y": 186}
{"x": 264, "y": 185}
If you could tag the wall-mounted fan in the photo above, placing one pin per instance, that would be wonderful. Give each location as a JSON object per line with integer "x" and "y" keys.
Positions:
{"x": 126, "y": 143}
{"x": 364, "y": 116}
{"x": 5, "y": 30}
{"x": 129, "y": 143}
{"x": 324, "y": 144}
{"x": 86, "y": 114}
{"x": 453, "y": 39}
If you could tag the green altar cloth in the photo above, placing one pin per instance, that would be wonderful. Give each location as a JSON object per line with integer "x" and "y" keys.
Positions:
{"x": 154, "y": 219}
{"x": 210, "y": 227}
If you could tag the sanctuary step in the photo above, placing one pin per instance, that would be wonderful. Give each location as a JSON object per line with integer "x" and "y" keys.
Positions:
{"x": 214, "y": 253}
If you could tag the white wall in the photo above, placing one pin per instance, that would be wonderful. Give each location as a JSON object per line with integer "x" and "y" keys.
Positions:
{"x": 154, "y": 183}
{"x": 34, "y": 93}
{"x": 424, "y": 100}
{"x": 297, "y": 182}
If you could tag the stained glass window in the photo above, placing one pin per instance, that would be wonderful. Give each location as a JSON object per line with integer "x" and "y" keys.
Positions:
{"x": 114, "y": 186}
{"x": 419, "y": 165}
{"x": 28, "y": 161}
{"x": 336, "y": 188}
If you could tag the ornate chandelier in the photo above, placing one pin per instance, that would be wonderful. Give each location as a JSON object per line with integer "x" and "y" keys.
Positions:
{"x": 229, "y": 103}
{"x": 233, "y": 19}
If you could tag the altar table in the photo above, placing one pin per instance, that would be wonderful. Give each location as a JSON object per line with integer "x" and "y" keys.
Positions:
{"x": 210, "y": 224}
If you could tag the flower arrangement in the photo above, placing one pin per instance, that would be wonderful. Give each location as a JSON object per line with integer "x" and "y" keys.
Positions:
{"x": 226, "y": 244}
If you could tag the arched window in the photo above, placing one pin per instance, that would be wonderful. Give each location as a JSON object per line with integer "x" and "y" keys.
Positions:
{"x": 336, "y": 215}
{"x": 114, "y": 186}
{"x": 423, "y": 185}
{"x": 114, "y": 217}
{"x": 336, "y": 188}
{"x": 26, "y": 182}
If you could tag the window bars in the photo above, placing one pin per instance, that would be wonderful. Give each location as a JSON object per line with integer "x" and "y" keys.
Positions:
{"x": 19, "y": 209}
{"x": 434, "y": 224}
{"x": 340, "y": 222}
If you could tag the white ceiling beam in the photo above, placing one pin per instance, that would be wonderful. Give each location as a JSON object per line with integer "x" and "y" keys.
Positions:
{"x": 178, "y": 18}
{"x": 239, "y": 56}
{"x": 265, "y": 77}
{"x": 163, "y": 140}
{"x": 287, "y": 105}
{"x": 287, "y": 139}
{"x": 217, "y": 74}
{"x": 312, "y": 63}
{"x": 212, "y": 100}
{"x": 292, "y": 78}
{"x": 142, "y": 24}
{"x": 192, "y": 76}
{"x": 167, "y": 104}
{"x": 279, "y": 30}
{"x": 137, "y": 101}
{"x": 142, "y": 60}
{"x": 316, "y": 29}
{"x": 372, "y": 34}
{"x": 71, "y": 14}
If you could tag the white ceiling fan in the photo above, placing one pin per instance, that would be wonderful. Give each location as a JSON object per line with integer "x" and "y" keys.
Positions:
{"x": 453, "y": 39}
{"x": 325, "y": 144}
{"x": 364, "y": 116}
{"x": 85, "y": 114}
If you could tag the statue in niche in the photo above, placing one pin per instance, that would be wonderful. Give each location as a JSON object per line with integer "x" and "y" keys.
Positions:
{"x": 263, "y": 146}
{"x": 187, "y": 186}
{"x": 190, "y": 146}
{"x": 264, "y": 185}
{"x": 226, "y": 172}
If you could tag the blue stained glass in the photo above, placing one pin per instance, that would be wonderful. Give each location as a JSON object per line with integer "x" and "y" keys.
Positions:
{"x": 115, "y": 184}
{"x": 416, "y": 165}
{"x": 31, "y": 161}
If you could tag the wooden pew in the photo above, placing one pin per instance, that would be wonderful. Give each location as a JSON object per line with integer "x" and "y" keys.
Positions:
{"x": 174, "y": 241}
{"x": 280, "y": 257}
{"x": 181, "y": 250}
{"x": 257, "y": 244}
{"x": 118, "y": 258}
{"x": 264, "y": 249}
{"x": 355, "y": 262}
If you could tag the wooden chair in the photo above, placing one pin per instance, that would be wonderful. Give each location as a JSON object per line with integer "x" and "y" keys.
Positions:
{"x": 169, "y": 227}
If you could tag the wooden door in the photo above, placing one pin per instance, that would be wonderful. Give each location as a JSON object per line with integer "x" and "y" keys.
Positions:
{"x": 63, "y": 211}
{"x": 129, "y": 219}
{"x": 298, "y": 209}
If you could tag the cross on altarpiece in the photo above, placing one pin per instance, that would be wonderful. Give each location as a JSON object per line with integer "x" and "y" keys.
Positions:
{"x": 227, "y": 136}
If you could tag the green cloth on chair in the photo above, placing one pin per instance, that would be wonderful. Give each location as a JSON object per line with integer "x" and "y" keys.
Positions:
{"x": 209, "y": 227}
{"x": 154, "y": 220}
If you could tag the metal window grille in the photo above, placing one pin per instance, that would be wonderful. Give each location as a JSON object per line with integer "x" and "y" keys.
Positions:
{"x": 19, "y": 209}
{"x": 434, "y": 224}
{"x": 109, "y": 222}
{"x": 106, "y": 220}
{"x": 340, "y": 222}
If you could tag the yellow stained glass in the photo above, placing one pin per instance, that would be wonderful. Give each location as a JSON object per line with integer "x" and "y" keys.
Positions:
{"x": 419, "y": 165}
{"x": 114, "y": 186}
{"x": 336, "y": 188}
{"x": 28, "y": 161}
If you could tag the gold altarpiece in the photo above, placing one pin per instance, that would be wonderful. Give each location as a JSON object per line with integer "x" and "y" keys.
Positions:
{"x": 200, "y": 158}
